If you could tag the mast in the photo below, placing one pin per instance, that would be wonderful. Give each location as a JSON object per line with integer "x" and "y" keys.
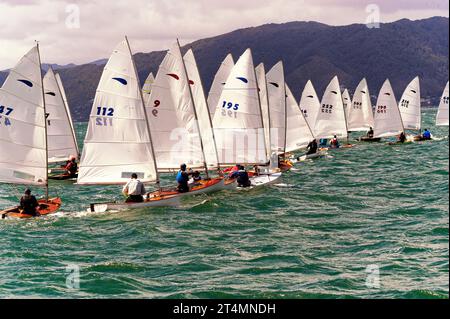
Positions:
{"x": 195, "y": 113}
{"x": 158, "y": 182}
{"x": 45, "y": 123}
{"x": 268, "y": 111}
{"x": 285, "y": 117}
{"x": 345, "y": 114}
{"x": 260, "y": 108}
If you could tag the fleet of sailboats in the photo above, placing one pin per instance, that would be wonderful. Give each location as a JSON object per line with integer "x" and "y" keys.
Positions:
{"x": 250, "y": 118}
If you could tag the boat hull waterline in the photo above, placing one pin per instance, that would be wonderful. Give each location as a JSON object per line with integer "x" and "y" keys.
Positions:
{"x": 46, "y": 208}
{"x": 165, "y": 198}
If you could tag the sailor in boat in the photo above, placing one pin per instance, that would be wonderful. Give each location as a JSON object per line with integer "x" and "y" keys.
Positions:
{"x": 334, "y": 142}
{"x": 323, "y": 142}
{"x": 370, "y": 133}
{"x": 196, "y": 178}
{"x": 402, "y": 137}
{"x": 426, "y": 135}
{"x": 312, "y": 147}
{"x": 134, "y": 189}
{"x": 71, "y": 167}
{"x": 183, "y": 179}
{"x": 28, "y": 204}
{"x": 242, "y": 178}
{"x": 231, "y": 170}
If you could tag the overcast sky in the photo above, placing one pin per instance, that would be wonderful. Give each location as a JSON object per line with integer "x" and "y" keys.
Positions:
{"x": 67, "y": 36}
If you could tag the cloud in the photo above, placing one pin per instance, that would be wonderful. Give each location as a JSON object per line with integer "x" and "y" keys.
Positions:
{"x": 155, "y": 24}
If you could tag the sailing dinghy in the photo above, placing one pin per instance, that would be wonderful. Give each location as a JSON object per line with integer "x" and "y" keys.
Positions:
{"x": 410, "y": 108}
{"x": 23, "y": 128}
{"x": 388, "y": 121}
{"x": 118, "y": 142}
{"x": 310, "y": 104}
{"x": 62, "y": 142}
{"x": 238, "y": 122}
{"x": 179, "y": 120}
{"x": 330, "y": 120}
{"x": 442, "y": 115}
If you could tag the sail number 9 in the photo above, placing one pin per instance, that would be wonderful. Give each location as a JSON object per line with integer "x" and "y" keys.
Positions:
{"x": 5, "y": 111}
{"x": 156, "y": 104}
{"x": 106, "y": 116}
{"x": 229, "y": 109}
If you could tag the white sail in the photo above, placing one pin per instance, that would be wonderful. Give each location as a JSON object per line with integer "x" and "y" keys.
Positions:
{"x": 310, "y": 104}
{"x": 147, "y": 88}
{"x": 409, "y": 106}
{"x": 298, "y": 133}
{"x": 442, "y": 115}
{"x": 360, "y": 113}
{"x": 237, "y": 122}
{"x": 219, "y": 82}
{"x": 117, "y": 141}
{"x": 263, "y": 97}
{"x": 277, "y": 107}
{"x": 66, "y": 104}
{"x": 23, "y": 155}
{"x": 346, "y": 102}
{"x": 330, "y": 120}
{"x": 388, "y": 121}
{"x": 61, "y": 143}
{"x": 203, "y": 117}
{"x": 171, "y": 115}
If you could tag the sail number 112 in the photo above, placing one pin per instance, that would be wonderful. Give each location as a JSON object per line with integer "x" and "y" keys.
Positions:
{"x": 107, "y": 113}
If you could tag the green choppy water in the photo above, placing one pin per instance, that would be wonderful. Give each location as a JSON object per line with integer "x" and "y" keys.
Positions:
{"x": 311, "y": 236}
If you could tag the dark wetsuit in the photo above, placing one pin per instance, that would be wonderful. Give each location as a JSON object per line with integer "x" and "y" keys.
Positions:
{"x": 72, "y": 168}
{"x": 183, "y": 180}
{"x": 312, "y": 148}
{"x": 242, "y": 178}
{"x": 370, "y": 134}
{"x": 402, "y": 138}
{"x": 28, "y": 204}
